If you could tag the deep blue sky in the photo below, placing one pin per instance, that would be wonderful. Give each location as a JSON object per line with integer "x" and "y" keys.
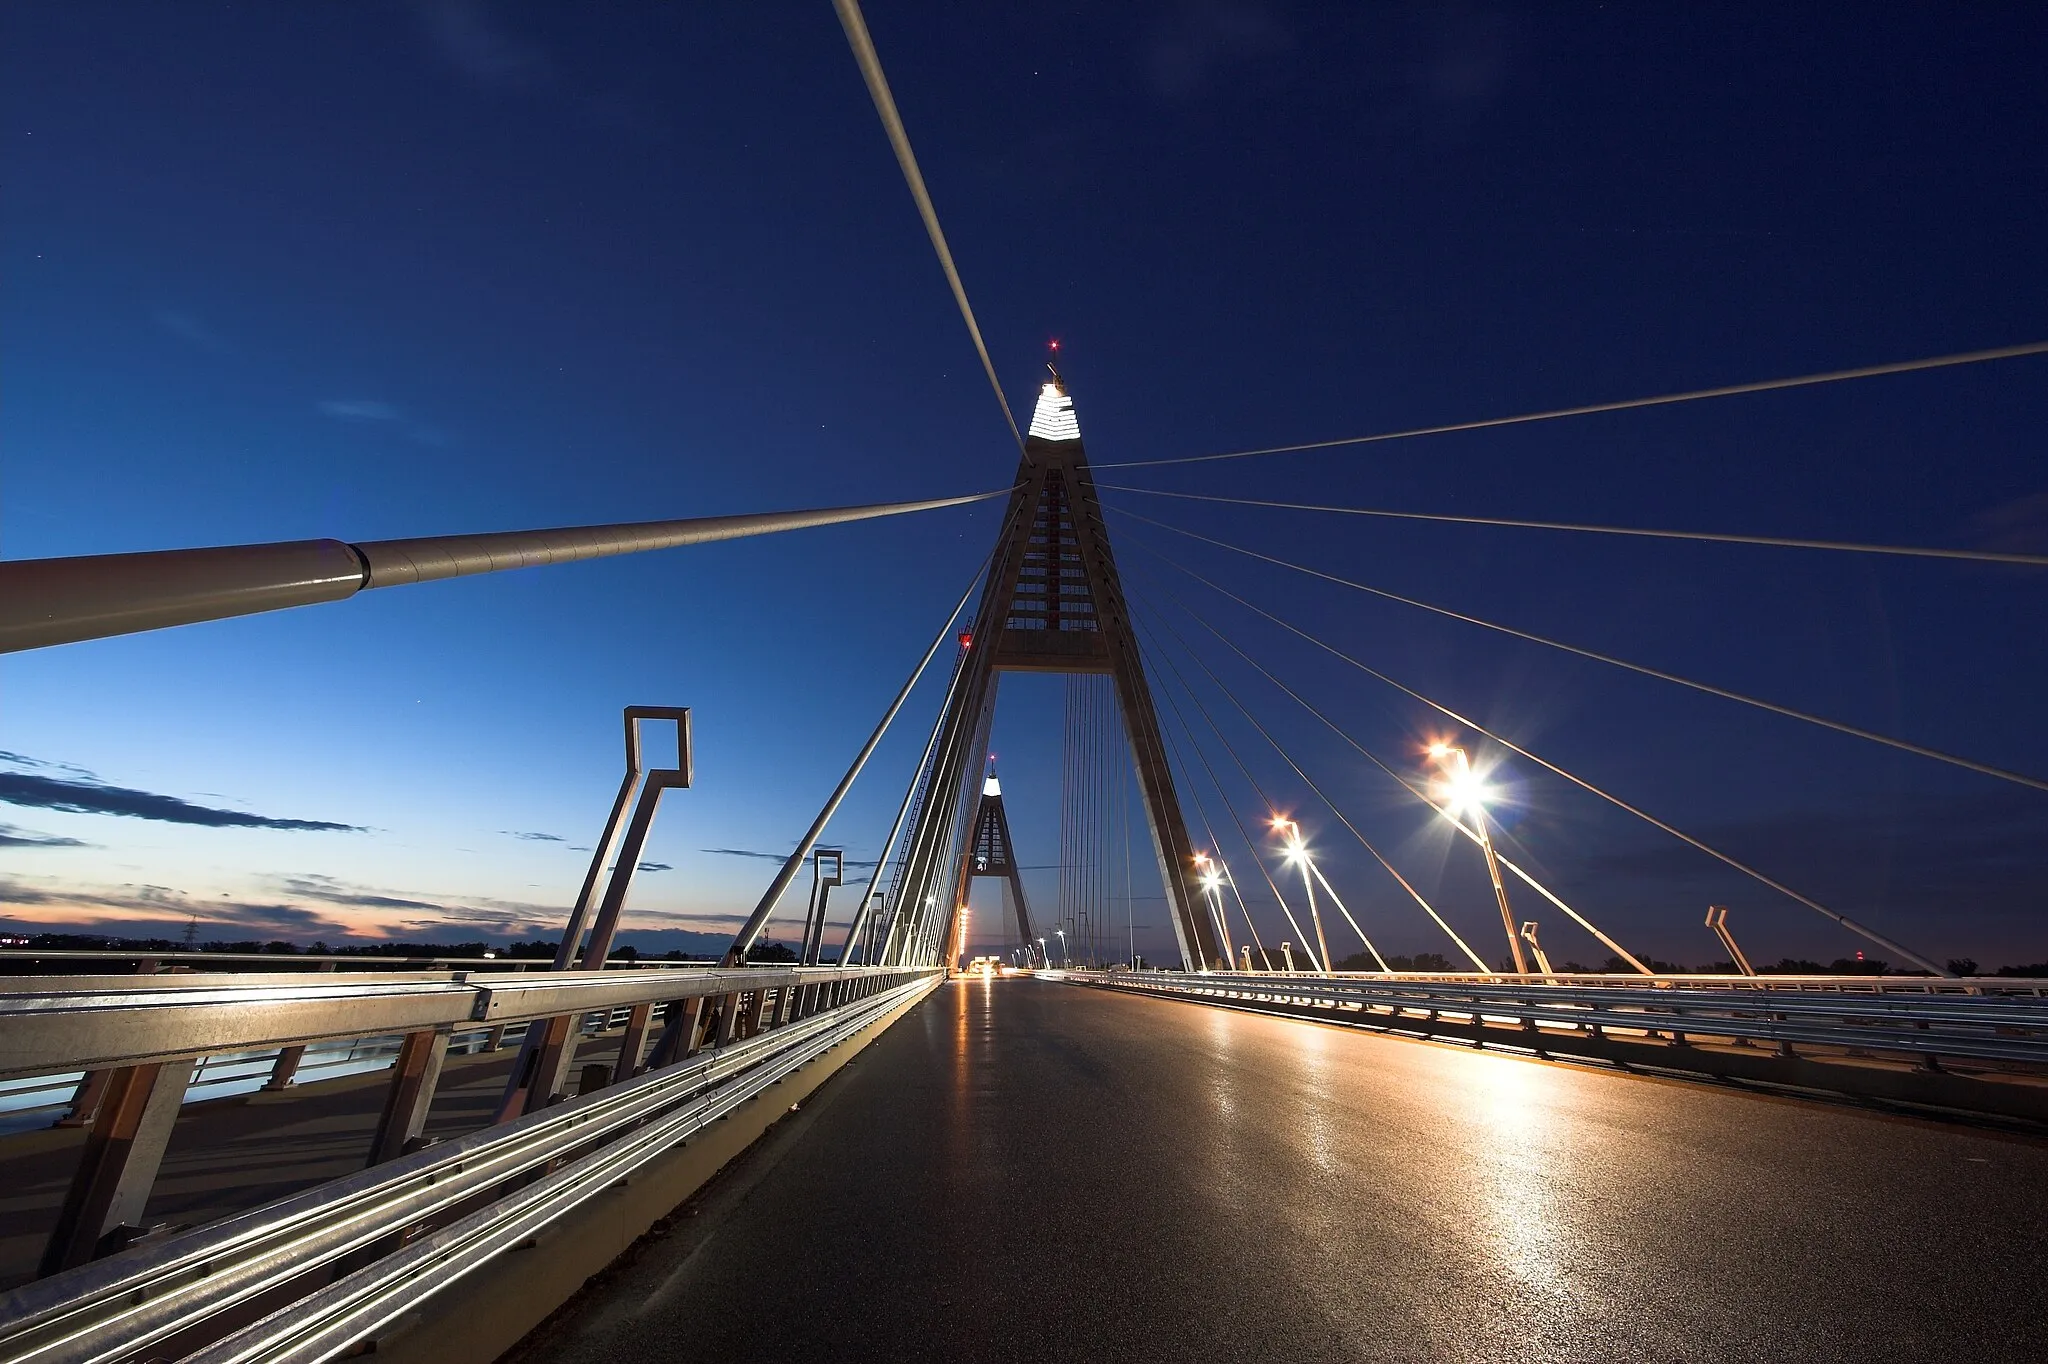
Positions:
{"x": 382, "y": 270}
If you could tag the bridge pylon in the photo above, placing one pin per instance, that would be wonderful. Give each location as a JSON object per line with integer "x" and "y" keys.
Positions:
{"x": 990, "y": 852}
{"x": 1053, "y": 602}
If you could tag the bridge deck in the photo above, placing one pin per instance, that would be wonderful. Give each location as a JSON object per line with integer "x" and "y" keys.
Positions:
{"x": 1022, "y": 1170}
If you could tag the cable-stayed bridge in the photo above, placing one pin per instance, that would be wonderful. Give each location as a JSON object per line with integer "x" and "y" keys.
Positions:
{"x": 1292, "y": 1142}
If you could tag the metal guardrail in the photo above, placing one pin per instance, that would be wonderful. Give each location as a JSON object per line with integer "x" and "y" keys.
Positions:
{"x": 12, "y": 959}
{"x": 1979, "y": 1019}
{"x": 185, "y": 1293}
{"x": 53, "y": 1024}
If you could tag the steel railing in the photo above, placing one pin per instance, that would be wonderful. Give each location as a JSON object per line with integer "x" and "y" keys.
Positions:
{"x": 55, "y": 1024}
{"x": 23, "y": 960}
{"x": 1924, "y": 1018}
{"x": 168, "y": 1298}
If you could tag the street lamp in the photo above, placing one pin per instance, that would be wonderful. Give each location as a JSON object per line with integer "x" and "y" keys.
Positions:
{"x": 1211, "y": 876}
{"x": 1464, "y": 789}
{"x": 1297, "y": 853}
{"x": 1066, "y": 957}
{"x": 1043, "y": 959}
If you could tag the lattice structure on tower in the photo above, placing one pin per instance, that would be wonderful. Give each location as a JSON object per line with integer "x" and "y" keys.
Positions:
{"x": 1053, "y": 602}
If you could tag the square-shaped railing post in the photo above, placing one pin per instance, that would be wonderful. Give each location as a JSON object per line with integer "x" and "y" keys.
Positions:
{"x": 633, "y": 1042}
{"x": 728, "y": 1018}
{"x": 118, "y": 1167}
{"x": 411, "y": 1093}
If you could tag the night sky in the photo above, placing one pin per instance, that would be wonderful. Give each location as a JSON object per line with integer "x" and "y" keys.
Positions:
{"x": 368, "y": 271}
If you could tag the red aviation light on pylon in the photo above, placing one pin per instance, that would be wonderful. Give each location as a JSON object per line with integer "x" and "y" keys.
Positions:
{"x": 967, "y": 639}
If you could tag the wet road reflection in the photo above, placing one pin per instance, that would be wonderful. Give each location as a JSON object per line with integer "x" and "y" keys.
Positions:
{"x": 1027, "y": 1170}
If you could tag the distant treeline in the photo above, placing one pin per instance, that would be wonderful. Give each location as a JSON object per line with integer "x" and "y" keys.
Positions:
{"x": 474, "y": 951}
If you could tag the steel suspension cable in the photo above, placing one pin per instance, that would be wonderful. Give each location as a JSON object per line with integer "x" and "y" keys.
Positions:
{"x": 1840, "y": 727}
{"x": 95, "y": 596}
{"x": 1251, "y": 849}
{"x": 758, "y": 920}
{"x": 1335, "y": 899}
{"x": 1257, "y": 789}
{"x": 867, "y": 895}
{"x": 870, "y": 62}
{"x": 1713, "y": 537}
{"x": 1123, "y": 803}
{"x": 1477, "y": 961}
{"x": 1663, "y": 400}
{"x": 1869, "y": 934}
{"x": 1414, "y": 790}
{"x": 1188, "y": 776}
{"x": 1312, "y": 867}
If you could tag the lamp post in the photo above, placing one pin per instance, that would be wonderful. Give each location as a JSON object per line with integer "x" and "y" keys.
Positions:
{"x": 1066, "y": 957}
{"x": 1297, "y": 853}
{"x": 1466, "y": 791}
{"x": 1211, "y": 877}
{"x": 1043, "y": 960}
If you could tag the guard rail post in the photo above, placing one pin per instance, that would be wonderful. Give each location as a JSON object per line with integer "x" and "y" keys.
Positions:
{"x": 284, "y": 1068}
{"x": 414, "y": 1077}
{"x": 116, "y": 1171}
{"x": 92, "y": 1086}
{"x": 287, "y": 1064}
{"x": 633, "y": 1042}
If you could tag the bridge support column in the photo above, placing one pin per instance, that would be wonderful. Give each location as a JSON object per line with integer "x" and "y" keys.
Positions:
{"x": 413, "y": 1080}
{"x": 117, "y": 1169}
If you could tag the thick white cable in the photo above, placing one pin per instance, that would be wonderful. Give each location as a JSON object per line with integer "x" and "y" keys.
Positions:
{"x": 1250, "y": 847}
{"x": 1331, "y": 891}
{"x": 1844, "y": 920}
{"x": 892, "y": 123}
{"x": 1478, "y": 962}
{"x": 1854, "y": 731}
{"x": 1378, "y": 762}
{"x": 1194, "y": 790}
{"x": 1725, "y": 391}
{"x": 1984, "y": 556}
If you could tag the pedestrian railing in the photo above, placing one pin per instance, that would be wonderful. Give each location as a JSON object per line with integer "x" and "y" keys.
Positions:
{"x": 357, "y": 1253}
{"x": 1923, "y": 1018}
{"x": 131, "y": 1047}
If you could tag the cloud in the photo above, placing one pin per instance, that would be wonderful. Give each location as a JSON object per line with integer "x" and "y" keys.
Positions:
{"x": 45, "y": 765}
{"x": 772, "y": 856}
{"x": 174, "y": 906}
{"x": 14, "y": 836}
{"x": 359, "y": 410}
{"x": 298, "y": 906}
{"x": 656, "y": 866}
{"x": 333, "y": 892}
{"x": 1202, "y": 41}
{"x": 2016, "y": 527}
{"x": 93, "y": 797}
{"x": 192, "y": 331}
{"x": 369, "y": 411}
{"x": 466, "y": 36}
{"x": 530, "y": 836}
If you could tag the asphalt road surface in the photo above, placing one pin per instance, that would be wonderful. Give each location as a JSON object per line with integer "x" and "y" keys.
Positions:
{"x": 1024, "y": 1170}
